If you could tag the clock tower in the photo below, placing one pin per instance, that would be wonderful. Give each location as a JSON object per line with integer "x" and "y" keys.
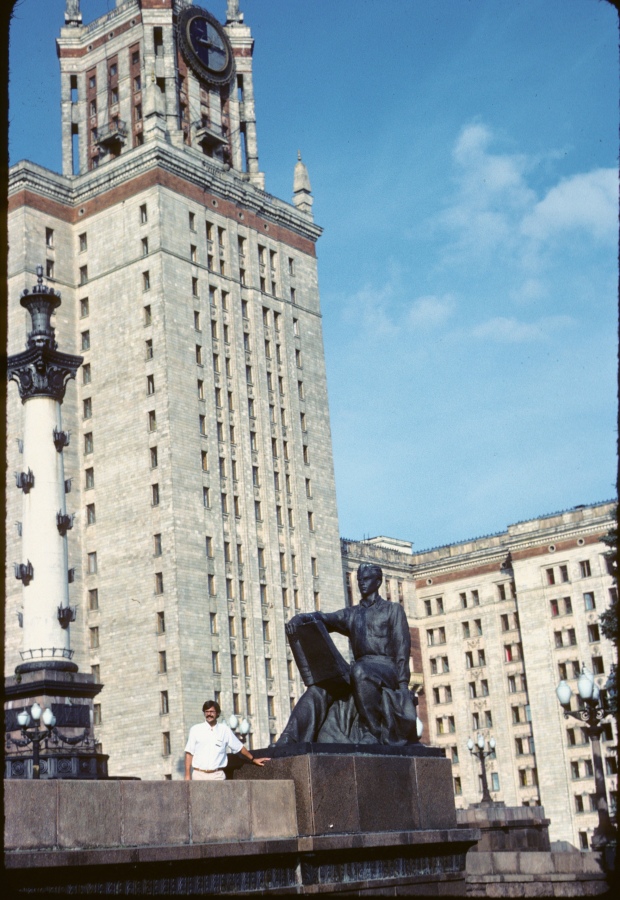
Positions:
{"x": 169, "y": 70}
{"x": 199, "y": 469}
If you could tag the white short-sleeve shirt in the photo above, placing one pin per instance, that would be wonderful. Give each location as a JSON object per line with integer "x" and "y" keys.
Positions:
{"x": 208, "y": 745}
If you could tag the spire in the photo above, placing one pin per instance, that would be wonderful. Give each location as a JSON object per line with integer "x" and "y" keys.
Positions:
{"x": 302, "y": 192}
{"x": 73, "y": 16}
{"x": 232, "y": 13}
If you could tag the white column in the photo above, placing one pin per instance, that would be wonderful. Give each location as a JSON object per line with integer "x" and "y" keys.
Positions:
{"x": 42, "y": 544}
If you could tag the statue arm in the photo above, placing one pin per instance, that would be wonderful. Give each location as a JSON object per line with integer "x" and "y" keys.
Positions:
{"x": 336, "y": 621}
{"x": 402, "y": 646}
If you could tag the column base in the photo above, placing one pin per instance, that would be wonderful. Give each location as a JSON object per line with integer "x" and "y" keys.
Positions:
{"x": 60, "y": 665}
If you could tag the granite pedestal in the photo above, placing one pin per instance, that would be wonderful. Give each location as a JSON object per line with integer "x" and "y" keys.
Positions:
{"x": 361, "y": 789}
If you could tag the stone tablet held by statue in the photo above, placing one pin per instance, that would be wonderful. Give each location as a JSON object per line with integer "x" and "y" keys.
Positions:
{"x": 316, "y": 655}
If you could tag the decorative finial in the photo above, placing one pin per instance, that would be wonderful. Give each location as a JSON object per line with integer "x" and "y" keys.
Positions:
{"x": 39, "y": 274}
{"x": 73, "y": 16}
{"x": 302, "y": 192}
{"x": 232, "y": 13}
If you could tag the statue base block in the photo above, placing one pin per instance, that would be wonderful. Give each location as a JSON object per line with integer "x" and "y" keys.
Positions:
{"x": 370, "y": 788}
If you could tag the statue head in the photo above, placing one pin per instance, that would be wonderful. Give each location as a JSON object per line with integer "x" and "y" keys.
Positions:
{"x": 369, "y": 578}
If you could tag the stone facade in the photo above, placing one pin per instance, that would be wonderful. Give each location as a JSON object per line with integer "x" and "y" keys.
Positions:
{"x": 200, "y": 462}
{"x": 503, "y": 618}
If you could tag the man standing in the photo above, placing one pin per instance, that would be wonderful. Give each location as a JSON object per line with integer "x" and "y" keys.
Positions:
{"x": 205, "y": 752}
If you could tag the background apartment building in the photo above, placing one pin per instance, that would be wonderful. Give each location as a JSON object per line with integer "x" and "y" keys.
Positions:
{"x": 502, "y": 619}
{"x": 200, "y": 465}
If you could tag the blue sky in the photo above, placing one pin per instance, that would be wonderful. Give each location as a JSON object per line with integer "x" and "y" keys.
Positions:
{"x": 463, "y": 158}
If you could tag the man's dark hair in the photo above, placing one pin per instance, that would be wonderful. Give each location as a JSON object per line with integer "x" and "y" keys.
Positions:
{"x": 211, "y": 704}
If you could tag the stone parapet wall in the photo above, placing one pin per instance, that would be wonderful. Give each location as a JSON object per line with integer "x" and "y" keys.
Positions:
{"x": 71, "y": 815}
{"x": 535, "y": 874}
{"x": 507, "y": 827}
{"x": 209, "y": 838}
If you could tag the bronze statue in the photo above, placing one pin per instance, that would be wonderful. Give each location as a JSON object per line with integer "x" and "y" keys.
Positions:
{"x": 368, "y": 701}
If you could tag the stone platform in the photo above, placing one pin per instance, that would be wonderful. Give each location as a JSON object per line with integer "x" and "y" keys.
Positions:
{"x": 209, "y": 838}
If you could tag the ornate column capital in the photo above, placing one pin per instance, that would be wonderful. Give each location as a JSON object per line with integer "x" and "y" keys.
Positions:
{"x": 42, "y": 370}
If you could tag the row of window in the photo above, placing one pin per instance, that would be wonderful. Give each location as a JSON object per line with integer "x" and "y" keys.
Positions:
{"x": 559, "y": 574}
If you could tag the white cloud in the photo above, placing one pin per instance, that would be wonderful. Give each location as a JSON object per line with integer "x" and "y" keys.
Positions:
{"x": 587, "y": 201}
{"x": 531, "y": 290}
{"x": 493, "y": 208}
{"x": 509, "y": 330}
{"x": 386, "y": 311}
{"x": 430, "y": 311}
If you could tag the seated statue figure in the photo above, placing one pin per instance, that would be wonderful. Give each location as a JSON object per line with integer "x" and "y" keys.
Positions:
{"x": 368, "y": 701}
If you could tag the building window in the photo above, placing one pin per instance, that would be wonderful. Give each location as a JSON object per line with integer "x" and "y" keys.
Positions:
{"x": 164, "y": 707}
{"x": 598, "y": 667}
{"x": 146, "y": 281}
{"x": 143, "y": 214}
{"x": 93, "y": 635}
{"x": 153, "y": 457}
{"x": 585, "y": 569}
{"x": 148, "y": 345}
{"x": 83, "y": 274}
{"x": 152, "y": 420}
{"x": 145, "y": 246}
{"x": 90, "y": 514}
{"x": 206, "y": 497}
{"x": 155, "y": 494}
{"x": 86, "y": 373}
{"x": 92, "y": 563}
{"x": 593, "y": 633}
{"x": 160, "y": 623}
{"x": 85, "y": 340}
{"x": 87, "y": 405}
{"x": 159, "y": 583}
{"x": 88, "y": 442}
{"x": 588, "y": 600}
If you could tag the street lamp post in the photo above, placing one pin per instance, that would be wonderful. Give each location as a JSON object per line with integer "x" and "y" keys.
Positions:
{"x": 38, "y": 736}
{"x": 477, "y": 749}
{"x": 592, "y": 716}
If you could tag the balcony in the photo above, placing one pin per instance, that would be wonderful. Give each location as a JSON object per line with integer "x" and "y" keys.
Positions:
{"x": 111, "y": 136}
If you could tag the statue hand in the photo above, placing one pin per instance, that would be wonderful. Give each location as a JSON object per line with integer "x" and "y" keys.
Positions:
{"x": 302, "y": 619}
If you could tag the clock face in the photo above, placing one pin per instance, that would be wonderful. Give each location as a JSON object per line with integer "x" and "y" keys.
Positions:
{"x": 205, "y": 45}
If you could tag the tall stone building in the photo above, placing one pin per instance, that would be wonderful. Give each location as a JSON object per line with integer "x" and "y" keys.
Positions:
{"x": 200, "y": 464}
{"x": 502, "y": 620}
